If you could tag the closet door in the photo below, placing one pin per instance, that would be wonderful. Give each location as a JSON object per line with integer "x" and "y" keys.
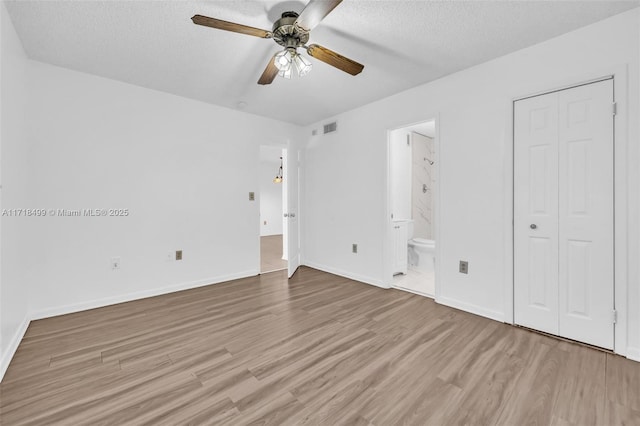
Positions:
{"x": 563, "y": 213}
{"x": 586, "y": 213}
{"x": 536, "y": 213}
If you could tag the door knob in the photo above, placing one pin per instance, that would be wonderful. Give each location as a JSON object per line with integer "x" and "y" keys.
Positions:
{"x": 292, "y": 215}
{"x": 533, "y": 226}
{"x": 286, "y": 215}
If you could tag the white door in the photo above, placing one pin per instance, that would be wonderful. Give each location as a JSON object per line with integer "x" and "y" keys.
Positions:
{"x": 563, "y": 213}
{"x": 536, "y": 213}
{"x": 292, "y": 177}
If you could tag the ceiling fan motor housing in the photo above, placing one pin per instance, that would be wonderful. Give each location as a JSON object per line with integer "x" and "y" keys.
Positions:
{"x": 287, "y": 34}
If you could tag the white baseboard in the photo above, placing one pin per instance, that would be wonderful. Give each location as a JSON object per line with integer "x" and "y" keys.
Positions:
{"x": 99, "y": 303}
{"x": 474, "y": 309}
{"x": 633, "y": 354}
{"x": 7, "y": 356}
{"x": 355, "y": 277}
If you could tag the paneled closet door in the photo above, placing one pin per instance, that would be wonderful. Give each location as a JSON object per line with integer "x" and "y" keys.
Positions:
{"x": 563, "y": 213}
{"x": 536, "y": 213}
{"x": 586, "y": 213}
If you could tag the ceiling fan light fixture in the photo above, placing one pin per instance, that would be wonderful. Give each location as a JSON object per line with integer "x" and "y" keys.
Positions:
{"x": 285, "y": 73}
{"x": 291, "y": 31}
{"x": 302, "y": 64}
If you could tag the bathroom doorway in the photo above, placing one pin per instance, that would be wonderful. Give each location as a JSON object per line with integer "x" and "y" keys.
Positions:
{"x": 413, "y": 178}
{"x": 273, "y": 202}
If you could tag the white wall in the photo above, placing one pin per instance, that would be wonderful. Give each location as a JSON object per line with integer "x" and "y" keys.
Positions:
{"x": 184, "y": 170}
{"x": 14, "y": 242}
{"x": 474, "y": 109}
{"x": 270, "y": 199}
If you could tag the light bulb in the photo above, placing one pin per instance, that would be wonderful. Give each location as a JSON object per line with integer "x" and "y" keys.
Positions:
{"x": 282, "y": 60}
{"x": 302, "y": 64}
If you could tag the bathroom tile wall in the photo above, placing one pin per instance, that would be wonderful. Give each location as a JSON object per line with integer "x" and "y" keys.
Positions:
{"x": 422, "y": 182}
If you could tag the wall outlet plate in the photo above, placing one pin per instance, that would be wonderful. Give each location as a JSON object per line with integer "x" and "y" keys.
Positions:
{"x": 115, "y": 262}
{"x": 252, "y": 196}
{"x": 464, "y": 267}
{"x": 354, "y": 248}
{"x": 178, "y": 254}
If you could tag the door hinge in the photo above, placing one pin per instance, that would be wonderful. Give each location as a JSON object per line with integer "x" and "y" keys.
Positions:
{"x": 615, "y": 108}
{"x": 615, "y": 316}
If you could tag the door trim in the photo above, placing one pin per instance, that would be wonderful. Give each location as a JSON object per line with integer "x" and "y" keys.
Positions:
{"x": 619, "y": 74}
{"x": 560, "y": 89}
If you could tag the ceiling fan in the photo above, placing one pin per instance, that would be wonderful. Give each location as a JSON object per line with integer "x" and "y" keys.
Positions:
{"x": 291, "y": 31}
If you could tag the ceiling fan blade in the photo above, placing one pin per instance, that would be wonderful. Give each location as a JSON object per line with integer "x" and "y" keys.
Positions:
{"x": 230, "y": 26}
{"x": 335, "y": 59}
{"x": 315, "y": 12}
{"x": 270, "y": 72}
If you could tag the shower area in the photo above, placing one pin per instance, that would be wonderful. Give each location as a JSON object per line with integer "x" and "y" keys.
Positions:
{"x": 412, "y": 183}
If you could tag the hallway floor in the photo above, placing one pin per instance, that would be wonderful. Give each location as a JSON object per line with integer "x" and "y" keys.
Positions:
{"x": 271, "y": 254}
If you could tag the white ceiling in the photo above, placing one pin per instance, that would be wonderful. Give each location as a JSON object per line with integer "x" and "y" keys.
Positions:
{"x": 402, "y": 44}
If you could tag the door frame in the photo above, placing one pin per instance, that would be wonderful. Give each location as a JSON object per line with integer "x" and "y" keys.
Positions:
{"x": 387, "y": 231}
{"x": 621, "y": 197}
{"x": 292, "y": 156}
{"x": 283, "y": 148}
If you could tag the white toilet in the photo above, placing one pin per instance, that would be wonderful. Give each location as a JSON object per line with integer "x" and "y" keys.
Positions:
{"x": 422, "y": 253}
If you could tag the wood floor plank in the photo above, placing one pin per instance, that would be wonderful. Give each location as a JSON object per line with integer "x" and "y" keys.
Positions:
{"x": 316, "y": 349}
{"x": 581, "y": 385}
{"x": 623, "y": 382}
{"x": 532, "y": 401}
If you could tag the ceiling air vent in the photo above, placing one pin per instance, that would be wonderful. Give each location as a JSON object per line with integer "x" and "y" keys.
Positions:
{"x": 331, "y": 127}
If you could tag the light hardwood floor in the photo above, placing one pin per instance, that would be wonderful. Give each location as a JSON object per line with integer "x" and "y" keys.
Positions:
{"x": 318, "y": 349}
{"x": 271, "y": 254}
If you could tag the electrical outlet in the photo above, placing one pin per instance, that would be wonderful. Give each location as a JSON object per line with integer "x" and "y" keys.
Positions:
{"x": 115, "y": 262}
{"x": 464, "y": 267}
{"x": 178, "y": 254}
{"x": 252, "y": 196}
{"x": 354, "y": 248}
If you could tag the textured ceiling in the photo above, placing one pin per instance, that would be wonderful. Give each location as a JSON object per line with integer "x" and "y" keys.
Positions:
{"x": 402, "y": 44}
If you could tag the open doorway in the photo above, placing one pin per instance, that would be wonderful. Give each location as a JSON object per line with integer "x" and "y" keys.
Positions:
{"x": 273, "y": 202}
{"x": 413, "y": 204}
